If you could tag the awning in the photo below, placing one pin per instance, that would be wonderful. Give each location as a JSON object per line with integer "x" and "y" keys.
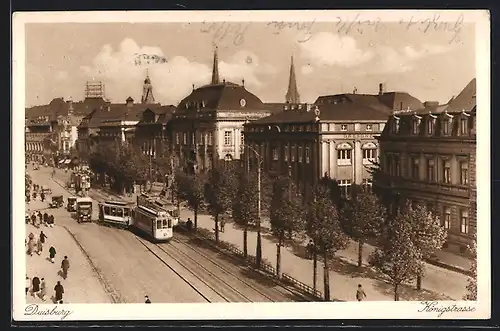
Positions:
{"x": 67, "y": 161}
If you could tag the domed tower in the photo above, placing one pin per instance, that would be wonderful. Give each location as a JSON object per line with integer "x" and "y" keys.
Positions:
{"x": 147, "y": 91}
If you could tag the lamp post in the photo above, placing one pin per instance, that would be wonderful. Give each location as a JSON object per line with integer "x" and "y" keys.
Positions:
{"x": 258, "y": 253}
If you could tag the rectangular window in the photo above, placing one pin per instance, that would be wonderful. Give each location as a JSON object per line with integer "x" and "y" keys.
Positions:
{"x": 367, "y": 182}
{"x": 158, "y": 224}
{"x": 446, "y": 172}
{"x": 307, "y": 155}
{"x": 227, "y": 138}
{"x": 177, "y": 138}
{"x": 275, "y": 154}
{"x": 446, "y": 127}
{"x": 431, "y": 170}
{"x": 300, "y": 154}
{"x": 209, "y": 138}
{"x": 286, "y": 153}
{"x": 415, "y": 125}
{"x": 242, "y": 139}
{"x": 464, "y": 221}
{"x": 293, "y": 153}
{"x": 430, "y": 127}
{"x": 464, "y": 173}
{"x": 464, "y": 127}
{"x": 344, "y": 156}
{"x": 345, "y": 186}
{"x": 368, "y": 127}
{"x": 185, "y": 138}
{"x": 343, "y": 127}
{"x": 390, "y": 164}
{"x": 415, "y": 167}
{"x": 368, "y": 154}
{"x": 397, "y": 166}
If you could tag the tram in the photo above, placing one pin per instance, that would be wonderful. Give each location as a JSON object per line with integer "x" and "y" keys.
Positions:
{"x": 117, "y": 213}
{"x": 152, "y": 219}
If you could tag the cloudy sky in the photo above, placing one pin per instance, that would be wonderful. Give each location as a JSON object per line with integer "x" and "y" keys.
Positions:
{"x": 329, "y": 59}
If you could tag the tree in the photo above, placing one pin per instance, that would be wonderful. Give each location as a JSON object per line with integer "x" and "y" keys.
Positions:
{"x": 363, "y": 217}
{"x": 193, "y": 188}
{"x": 397, "y": 255}
{"x": 286, "y": 213}
{"x": 427, "y": 233}
{"x": 245, "y": 204}
{"x": 219, "y": 193}
{"x": 325, "y": 229}
{"x": 471, "y": 287}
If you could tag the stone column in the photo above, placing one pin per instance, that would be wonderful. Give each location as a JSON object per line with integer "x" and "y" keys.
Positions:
{"x": 325, "y": 164}
{"x": 332, "y": 151}
{"x": 358, "y": 163}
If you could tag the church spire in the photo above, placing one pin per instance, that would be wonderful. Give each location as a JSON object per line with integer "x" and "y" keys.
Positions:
{"x": 215, "y": 69}
{"x": 292, "y": 95}
{"x": 147, "y": 91}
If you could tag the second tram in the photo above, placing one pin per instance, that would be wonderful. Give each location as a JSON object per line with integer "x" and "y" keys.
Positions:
{"x": 116, "y": 212}
{"x": 153, "y": 220}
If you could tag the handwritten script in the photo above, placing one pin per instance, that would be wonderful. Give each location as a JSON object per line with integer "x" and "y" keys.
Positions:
{"x": 441, "y": 309}
{"x": 35, "y": 310}
{"x": 142, "y": 59}
{"x": 305, "y": 27}
{"x": 226, "y": 30}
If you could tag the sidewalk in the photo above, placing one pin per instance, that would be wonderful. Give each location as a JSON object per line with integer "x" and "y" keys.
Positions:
{"x": 81, "y": 286}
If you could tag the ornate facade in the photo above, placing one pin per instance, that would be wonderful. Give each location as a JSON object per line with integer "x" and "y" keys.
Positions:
{"x": 428, "y": 156}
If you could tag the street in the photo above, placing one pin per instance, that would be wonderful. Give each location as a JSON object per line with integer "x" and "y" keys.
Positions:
{"x": 129, "y": 270}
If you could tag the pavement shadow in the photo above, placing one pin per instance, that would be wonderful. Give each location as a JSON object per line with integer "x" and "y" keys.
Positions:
{"x": 409, "y": 293}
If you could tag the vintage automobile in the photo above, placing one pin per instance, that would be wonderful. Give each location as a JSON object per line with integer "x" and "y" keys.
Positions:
{"x": 71, "y": 206}
{"x": 46, "y": 190}
{"x": 57, "y": 201}
{"x": 84, "y": 209}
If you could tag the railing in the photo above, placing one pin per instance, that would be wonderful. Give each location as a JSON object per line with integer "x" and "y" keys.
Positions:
{"x": 306, "y": 288}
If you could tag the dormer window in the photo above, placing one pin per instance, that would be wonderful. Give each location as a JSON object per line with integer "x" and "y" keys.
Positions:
{"x": 464, "y": 124}
{"x": 431, "y": 123}
{"x": 446, "y": 124}
{"x": 416, "y": 125}
{"x": 395, "y": 124}
{"x": 343, "y": 127}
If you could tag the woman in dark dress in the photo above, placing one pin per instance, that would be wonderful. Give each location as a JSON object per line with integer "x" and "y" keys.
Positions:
{"x": 36, "y": 285}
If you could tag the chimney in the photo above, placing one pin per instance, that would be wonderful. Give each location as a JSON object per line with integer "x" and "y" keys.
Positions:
{"x": 381, "y": 89}
{"x": 431, "y": 104}
{"x": 130, "y": 102}
{"x": 401, "y": 105}
{"x": 109, "y": 108}
{"x": 243, "y": 82}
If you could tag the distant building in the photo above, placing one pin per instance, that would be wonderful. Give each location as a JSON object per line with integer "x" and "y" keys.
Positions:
{"x": 334, "y": 137}
{"x": 208, "y": 124}
{"x": 428, "y": 155}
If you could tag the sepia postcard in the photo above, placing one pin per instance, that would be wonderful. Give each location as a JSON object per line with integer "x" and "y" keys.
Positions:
{"x": 225, "y": 165}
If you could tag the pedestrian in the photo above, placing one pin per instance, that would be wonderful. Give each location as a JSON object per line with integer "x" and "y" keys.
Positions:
{"x": 222, "y": 224}
{"x": 310, "y": 248}
{"x": 51, "y": 221}
{"x": 28, "y": 284}
{"x": 45, "y": 217}
{"x": 33, "y": 218}
{"x": 189, "y": 224}
{"x": 42, "y": 196}
{"x": 59, "y": 289}
{"x": 39, "y": 246}
{"x": 34, "y": 195}
{"x": 65, "y": 267}
{"x": 31, "y": 246}
{"x": 43, "y": 290}
{"x": 43, "y": 237}
{"x": 360, "y": 293}
{"x": 147, "y": 299}
{"x": 52, "y": 254}
{"x": 35, "y": 285}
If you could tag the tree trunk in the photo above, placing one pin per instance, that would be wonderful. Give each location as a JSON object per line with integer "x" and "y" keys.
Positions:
{"x": 326, "y": 276}
{"x": 216, "y": 229}
{"x": 360, "y": 253}
{"x": 419, "y": 282}
{"x": 278, "y": 254}
{"x": 195, "y": 218}
{"x": 315, "y": 268}
{"x": 396, "y": 292}
{"x": 245, "y": 241}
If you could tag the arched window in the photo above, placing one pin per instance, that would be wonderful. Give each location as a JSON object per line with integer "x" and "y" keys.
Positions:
{"x": 369, "y": 152}
{"x": 228, "y": 157}
{"x": 344, "y": 154}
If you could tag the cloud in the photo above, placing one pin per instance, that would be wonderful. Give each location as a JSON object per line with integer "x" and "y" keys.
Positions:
{"x": 61, "y": 75}
{"x": 330, "y": 49}
{"x": 173, "y": 79}
{"x": 390, "y": 60}
{"x": 307, "y": 70}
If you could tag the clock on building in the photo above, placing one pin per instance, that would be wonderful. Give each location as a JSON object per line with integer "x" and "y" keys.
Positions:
{"x": 243, "y": 102}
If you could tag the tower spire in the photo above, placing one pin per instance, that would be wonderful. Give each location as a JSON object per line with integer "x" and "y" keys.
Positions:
{"x": 292, "y": 95}
{"x": 215, "y": 69}
{"x": 147, "y": 91}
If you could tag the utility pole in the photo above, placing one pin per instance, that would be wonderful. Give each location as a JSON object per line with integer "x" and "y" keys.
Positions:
{"x": 258, "y": 255}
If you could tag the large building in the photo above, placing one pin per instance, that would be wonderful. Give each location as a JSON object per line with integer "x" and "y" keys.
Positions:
{"x": 334, "y": 137}
{"x": 428, "y": 156}
{"x": 208, "y": 124}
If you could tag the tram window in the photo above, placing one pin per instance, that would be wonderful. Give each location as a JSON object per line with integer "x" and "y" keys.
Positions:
{"x": 119, "y": 212}
{"x": 158, "y": 224}
{"x": 113, "y": 211}
{"x": 164, "y": 224}
{"x": 169, "y": 223}
{"x": 126, "y": 212}
{"x": 106, "y": 210}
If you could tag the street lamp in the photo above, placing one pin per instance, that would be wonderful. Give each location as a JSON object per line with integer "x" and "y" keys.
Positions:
{"x": 258, "y": 253}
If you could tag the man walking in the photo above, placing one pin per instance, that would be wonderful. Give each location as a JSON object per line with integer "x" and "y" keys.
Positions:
{"x": 36, "y": 285}
{"x": 222, "y": 224}
{"x": 360, "y": 293}
{"x": 59, "y": 289}
{"x": 43, "y": 290}
{"x": 65, "y": 267}
{"x": 28, "y": 284}
{"x": 52, "y": 254}
{"x": 43, "y": 237}
{"x": 39, "y": 247}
